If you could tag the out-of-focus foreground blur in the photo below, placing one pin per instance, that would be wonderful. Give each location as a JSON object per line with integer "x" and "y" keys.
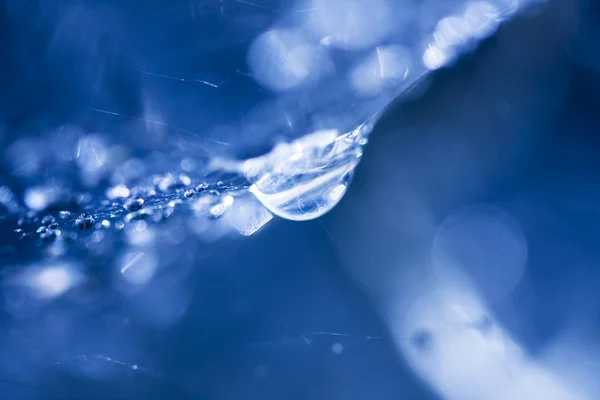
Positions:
{"x": 311, "y": 199}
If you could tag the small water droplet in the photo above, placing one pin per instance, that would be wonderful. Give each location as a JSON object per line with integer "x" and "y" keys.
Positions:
{"x": 84, "y": 221}
{"x": 106, "y": 223}
{"x": 41, "y": 229}
{"x": 53, "y": 226}
{"x": 48, "y": 236}
{"x": 47, "y": 220}
{"x": 64, "y": 214}
{"x": 190, "y": 193}
{"x": 134, "y": 204}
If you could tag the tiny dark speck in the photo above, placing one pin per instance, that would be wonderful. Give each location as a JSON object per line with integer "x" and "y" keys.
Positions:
{"x": 422, "y": 340}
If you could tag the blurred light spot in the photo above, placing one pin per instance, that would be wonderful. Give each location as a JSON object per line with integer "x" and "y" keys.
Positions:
{"x": 352, "y": 25}
{"x": 91, "y": 153}
{"x": 483, "y": 19}
{"x": 187, "y": 164}
{"x": 456, "y": 34}
{"x": 218, "y": 210}
{"x": 39, "y": 197}
{"x": 456, "y": 360}
{"x": 386, "y": 66}
{"x": 138, "y": 267}
{"x": 24, "y": 157}
{"x": 185, "y": 180}
{"x": 166, "y": 182}
{"x": 52, "y": 281}
{"x": 436, "y": 57}
{"x": 134, "y": 169}
{"x": 337, "y": 192}
{"x": 137, "y": 234}
{"x": 282, "y": 59}
{"x": 337, "y": 348}
{"x": 486, "y": 244}
{"x": 118, "y": 191}
{"x": 248, "y": 216}
{"x": 140, "y": 226}
{"x": 8, "y": 199}
{"x": 452, "y": 31}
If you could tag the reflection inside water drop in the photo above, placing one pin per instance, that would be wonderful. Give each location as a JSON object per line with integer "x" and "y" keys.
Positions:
{"x": 305, "y": 179}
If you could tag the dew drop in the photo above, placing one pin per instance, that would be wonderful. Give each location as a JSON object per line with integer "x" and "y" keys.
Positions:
{"x": 48, "y": 220}
{"x": 84, "y": 221}
{"x": 134, "y": 204}
{"x": 48, "y": 236}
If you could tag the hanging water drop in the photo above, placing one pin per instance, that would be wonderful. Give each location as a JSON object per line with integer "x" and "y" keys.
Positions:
{"x": 305, "y": 179}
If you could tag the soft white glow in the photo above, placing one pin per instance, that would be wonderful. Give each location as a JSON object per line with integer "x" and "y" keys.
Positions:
{"x": 337, "y": 192}
{"x": 457, "y": 33}
{"x": 482, "y": 18}
{"x": 486, "y": 244}
{"x": 138, "y": 267}
{"x": 352, "y": 25}
{"x": 248, "y": 216}
{"x": 454, "y": 343}
{"x": 118, "y": 191}
{"x": 385, "y": 66}
{"x": 51, "y": 281}
{"x": 39, "y": 197}
{"x": 436, "y": 57}
{"x": 283, "y": 59}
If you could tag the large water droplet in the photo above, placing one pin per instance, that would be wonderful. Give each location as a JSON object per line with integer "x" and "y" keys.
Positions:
{"x": 305, "y": 179}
